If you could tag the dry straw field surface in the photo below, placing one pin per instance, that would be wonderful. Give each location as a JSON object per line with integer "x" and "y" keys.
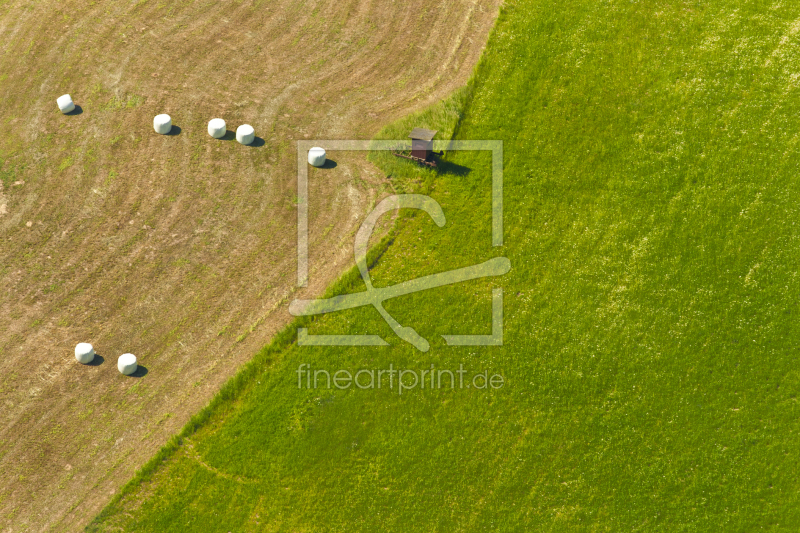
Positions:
{"x": 177, "y": 248}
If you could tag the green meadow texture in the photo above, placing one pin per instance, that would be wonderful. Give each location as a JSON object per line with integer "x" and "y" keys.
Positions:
{"x": 651, "y": 314}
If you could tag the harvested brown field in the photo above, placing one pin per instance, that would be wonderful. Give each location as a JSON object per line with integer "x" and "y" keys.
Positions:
{"x": 178, "y": 248}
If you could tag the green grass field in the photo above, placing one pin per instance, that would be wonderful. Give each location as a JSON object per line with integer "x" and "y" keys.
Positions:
{"x": 651, "y": 313}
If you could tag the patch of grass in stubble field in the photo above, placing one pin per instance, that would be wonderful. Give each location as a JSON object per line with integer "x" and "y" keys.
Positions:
{"x": 443, "y": 117}
{"x": 651, "y": 312}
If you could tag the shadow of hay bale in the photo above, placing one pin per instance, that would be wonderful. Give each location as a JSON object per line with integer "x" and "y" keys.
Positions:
{"x": 257, "y": 142}
{"x": 77, "y": 111}
{"x": 176, "y": 130}
{"x": 141, "y": 371}
{"x": 230, "y": 135}
{"x": 97, "y": 361}
{"x": 329, "y": 163}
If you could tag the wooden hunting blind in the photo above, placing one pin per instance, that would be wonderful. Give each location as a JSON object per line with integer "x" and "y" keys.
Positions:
{"x": 422, "y": 143}
{"x": 421, "y": 148}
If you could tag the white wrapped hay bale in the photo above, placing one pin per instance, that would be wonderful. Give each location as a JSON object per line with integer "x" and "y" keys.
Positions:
{"x": 245, "y": 134}
{"x": 127, "y": 364}
{"x": 162, "y": 124}
{"x": 84, "y": 353}
{"x": 216, "y": 128}
{"x": 317, "y": 156}
{"x": 65, "y": 103}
